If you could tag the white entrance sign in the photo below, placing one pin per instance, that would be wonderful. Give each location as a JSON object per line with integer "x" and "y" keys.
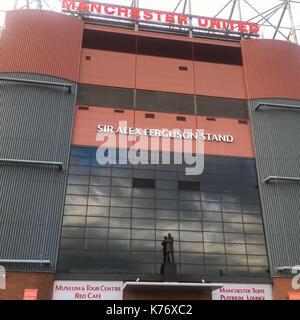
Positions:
{"x": 236, "y": 291}
{"x": 88, "y": 290}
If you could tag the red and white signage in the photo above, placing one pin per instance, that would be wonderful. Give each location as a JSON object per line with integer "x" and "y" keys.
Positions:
{"x": 30, "y": 294}
{"x": 234, "y": 291}
{"x": 87, "y": 290}
{"x": 97, "y": 8}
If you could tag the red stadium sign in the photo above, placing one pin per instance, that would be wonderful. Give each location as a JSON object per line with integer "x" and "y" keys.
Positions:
{"x": 158, "y": 16}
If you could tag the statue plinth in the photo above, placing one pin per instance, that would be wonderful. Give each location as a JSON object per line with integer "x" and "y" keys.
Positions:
{"x": 169, "y": 271}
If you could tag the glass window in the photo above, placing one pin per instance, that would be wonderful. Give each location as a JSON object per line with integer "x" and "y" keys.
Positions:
{"x": 213, "y": 237}
{"x": 99, "y": 191}
{"x": 120, "y": 212}
{"x": 234, "y": 238}
{"x": 120, "y": 172}
{"x": 68, "y": 243}
{"x": 119, "y": 233}
{"x": 256, "y": 249}
{"x": 73, "y": 221}
{"x": 253, "y": 228}
{"x": 143, "y": 193}
{"x": 75, "y": 210}
{"x": 231, "y": 207}
{"x": 97, "y": 211}
{"x": 97, "y": 222}
{"x": 77, "y": 189}
{"x": 195, "y": 258}
{"x": 80, "y": 151}
{"x": 211, "y": 206}
{"x": 190, "y": 225}
{"x": 143, "y": 213}
{"x": 143, "y": 203}
{"x": 82, "y": 170}
{"x": 166, "y": 214}
{"x": 72, "y": 232}
{"x": 191, "y": 247}
{"x": 119, "y": 223}
{"x": 232, "y": 217}
{"x": 143, "y": 223}
{"x": 236, "y": 259}
{"x": 190, "y": 205}
{"x": 214, "y": 247}
{"x": 95, "y": 244}
{"x": 96, "y": 232}
{"x": 189, "y": 195}
{"x": 143, "y": 183}
{"x": 191, "y": 236}
{"x": 233, "y": 227}
{"x": 80, "y": 200}
{"x": 162, "y": 184}
{"x": 189, "y": 215}
{"x": 212, "y": 226}
{"x": 255, "y": 238}
{"x": 167, "y": 224}
{"x": 210, "y": 196}
{"x": 192, "y": 269}
{"x": 189, "y": 185}
{"x": 230, "y": 197}
{"x": 258, "y": 261}
{"x": 145, "y": 174}
{"x": 235, "y": 249}
{"x": 121, "y": 192}
{"x": 252, "y": 218}
{"x": 106, "y": 172}
{"x": 143, "y": 245}
{"x": 143, "y": 234}
{"x": 118, "y": 244}
{"x": 121, "y": 182}
{"x": 237, "y": 270}
{"x": 100, "y": 181}
{"x": 98, "y": 201}
{"x": 166, "y": 194}
{"x": 76, "y": 179}
{"x": 215, "y": 259}
{"x": 166, "y": 204}
{"x": 120, "y": 202}
{"x": 250, "y": 208}
{"x": 80, "y": 161}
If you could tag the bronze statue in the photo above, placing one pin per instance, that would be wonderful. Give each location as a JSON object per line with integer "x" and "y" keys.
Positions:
{"x": 169, "y": 248}
{"x": 164, "y": 244}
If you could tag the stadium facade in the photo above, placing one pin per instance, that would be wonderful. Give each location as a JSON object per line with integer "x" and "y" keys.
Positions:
{"x": 73, "y": 228}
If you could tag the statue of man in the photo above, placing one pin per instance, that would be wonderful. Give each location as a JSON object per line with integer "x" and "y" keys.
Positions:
{"x": 164, "y": 244}
{"x": 169, "y": 248}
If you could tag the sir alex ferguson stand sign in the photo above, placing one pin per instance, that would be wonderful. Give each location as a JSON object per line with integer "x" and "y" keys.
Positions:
{"x": 144, "y": 15}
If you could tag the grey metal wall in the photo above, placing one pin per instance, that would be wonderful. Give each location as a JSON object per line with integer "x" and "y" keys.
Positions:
{"x": 35, "y": 124}
{"x": 276, "y": 136}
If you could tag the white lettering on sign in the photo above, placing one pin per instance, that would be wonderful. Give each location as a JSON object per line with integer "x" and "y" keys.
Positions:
{"x": 165, "y": 133}
{"x": 88, "y": 290}
{"x": 233, "y": 291}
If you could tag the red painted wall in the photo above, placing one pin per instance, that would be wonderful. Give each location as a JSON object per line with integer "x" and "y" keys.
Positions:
{"x": 42, "y": 42}
{"x": 272, "y": 69}
{"x": 86, "y": 122}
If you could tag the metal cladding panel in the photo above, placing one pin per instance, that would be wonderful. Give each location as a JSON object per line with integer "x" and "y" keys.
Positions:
{"x": 276, "y": 136}
{"x": 36, "y": 124}
{"x": 272, "y": 69}
{"x": 42, "y": 42}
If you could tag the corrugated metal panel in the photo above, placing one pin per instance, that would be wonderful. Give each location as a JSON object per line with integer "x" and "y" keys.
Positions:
{"x": 272, "y": 69}
{"x": 36, "y": 124}
{"x": 276, "y": 136}
{"x": 43, "y": 42}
